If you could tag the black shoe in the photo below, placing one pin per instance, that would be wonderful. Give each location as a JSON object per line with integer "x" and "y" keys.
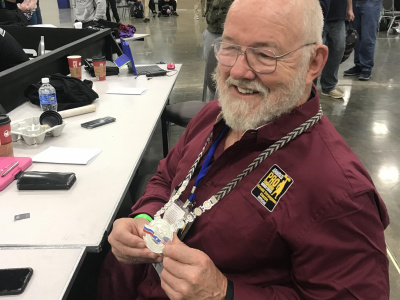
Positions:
{"x": 146, "y": 20}
{"x": 365, "y": 76}
{"x": 174, "y": 13}
{"x": 354, "y": 71}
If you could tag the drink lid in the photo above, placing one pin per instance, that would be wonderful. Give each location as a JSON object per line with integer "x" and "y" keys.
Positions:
{"x": 98, "y": 58}
{"x": 4, "y": 119}
{"x": 45, "y": 80}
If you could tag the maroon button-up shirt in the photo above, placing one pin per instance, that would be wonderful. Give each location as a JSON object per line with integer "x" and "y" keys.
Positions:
{"x": 307, "y": 223}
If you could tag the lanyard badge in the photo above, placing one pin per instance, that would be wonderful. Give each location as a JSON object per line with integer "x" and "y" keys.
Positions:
{"x": 178, "y": 216}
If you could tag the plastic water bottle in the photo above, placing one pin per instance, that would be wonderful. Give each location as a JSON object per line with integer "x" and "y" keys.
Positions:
{"x": 47, "y": 96}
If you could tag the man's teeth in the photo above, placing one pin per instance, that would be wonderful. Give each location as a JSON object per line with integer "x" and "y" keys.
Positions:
{"x": 246, "y": 91}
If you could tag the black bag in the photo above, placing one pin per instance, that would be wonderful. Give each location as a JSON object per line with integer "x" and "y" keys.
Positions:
{"x": 71, "y": 92}
{"x": 351, "y": 40}
{"x": 166, "y": 10}
{"x": 137, "y": 10}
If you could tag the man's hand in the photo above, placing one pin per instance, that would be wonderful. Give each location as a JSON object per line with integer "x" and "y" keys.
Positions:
{"x": 27, "y": 5}
{"x": 350, "y": 15}
{"x": 127, "y": 242}
{"x": 190, "y": 274}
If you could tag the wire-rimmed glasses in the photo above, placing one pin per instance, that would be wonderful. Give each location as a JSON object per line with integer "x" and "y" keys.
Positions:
{"x": 259, "y": 60}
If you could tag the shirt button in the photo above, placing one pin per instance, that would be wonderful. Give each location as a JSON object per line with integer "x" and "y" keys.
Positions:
{"x": 208, "y": 183}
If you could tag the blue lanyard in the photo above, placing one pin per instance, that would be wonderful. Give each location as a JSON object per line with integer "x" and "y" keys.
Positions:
{"x": 206, "y": 165}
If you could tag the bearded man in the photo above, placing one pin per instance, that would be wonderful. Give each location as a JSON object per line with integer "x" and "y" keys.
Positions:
{"x": 261, "y": 198}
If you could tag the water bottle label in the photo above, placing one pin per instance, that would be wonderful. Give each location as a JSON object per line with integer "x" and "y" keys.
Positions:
{"x": 48, "y": 99}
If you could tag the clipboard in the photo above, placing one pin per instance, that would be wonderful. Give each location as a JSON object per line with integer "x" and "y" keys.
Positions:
{"x": 11, "y": 168}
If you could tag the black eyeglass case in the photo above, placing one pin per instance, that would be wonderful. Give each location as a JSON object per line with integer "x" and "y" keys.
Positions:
{"x": 36, "y": 180}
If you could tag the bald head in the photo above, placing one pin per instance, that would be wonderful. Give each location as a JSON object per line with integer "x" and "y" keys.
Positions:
{"x": 302, "y": 17}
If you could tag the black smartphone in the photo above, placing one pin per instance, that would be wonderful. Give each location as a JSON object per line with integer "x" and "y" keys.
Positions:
{"x": 98, "y": 122}
{"x": 14, "y": 281}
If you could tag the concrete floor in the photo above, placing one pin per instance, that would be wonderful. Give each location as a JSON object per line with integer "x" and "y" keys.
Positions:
{"x": 366, "y": 117}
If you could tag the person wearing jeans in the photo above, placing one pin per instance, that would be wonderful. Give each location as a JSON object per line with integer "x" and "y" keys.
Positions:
{"x": 335, "y": 39}
{"x": 366, "y": 18}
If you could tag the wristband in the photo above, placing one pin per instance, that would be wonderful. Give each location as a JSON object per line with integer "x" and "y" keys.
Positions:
{"x": 145, "y": 216}
{"x": 229, "y": 291}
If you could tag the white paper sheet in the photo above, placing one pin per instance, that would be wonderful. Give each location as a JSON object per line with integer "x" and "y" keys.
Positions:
{"x": 60, "y": 155}
{"x": 126, "y": 91}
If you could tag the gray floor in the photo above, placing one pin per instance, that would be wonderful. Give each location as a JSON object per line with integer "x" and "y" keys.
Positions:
{"x": 366, "y": 117}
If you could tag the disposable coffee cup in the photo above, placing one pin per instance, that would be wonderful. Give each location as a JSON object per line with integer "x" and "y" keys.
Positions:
{"x": 6, "y": 146}
{"x": 99, "y": 65}
{"x": 75, "y": 66}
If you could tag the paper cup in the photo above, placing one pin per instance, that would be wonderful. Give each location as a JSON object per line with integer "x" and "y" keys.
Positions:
{"x": 99, "y": 65}
{"x": 6, "y": 146}
{"x": 75, "y": 66}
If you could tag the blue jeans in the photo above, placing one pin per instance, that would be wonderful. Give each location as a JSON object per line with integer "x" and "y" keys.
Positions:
{"x": 36, "y": 17}
{"x": 366, "y": 18}
{"x": 335, "y": 39}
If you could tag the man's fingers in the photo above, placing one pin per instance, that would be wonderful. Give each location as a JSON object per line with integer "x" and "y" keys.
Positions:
{"x": 136, "y": 256}
{"x": 171, "y": 285}
{"x": 182, "y": 253}
{"x": 176, "y": 268}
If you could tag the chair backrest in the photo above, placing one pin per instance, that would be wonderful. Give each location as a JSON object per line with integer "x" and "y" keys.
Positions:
{"x": 388, "y": 5}
{"x": 209, "y": 83}
{"x": 211, "y": 64}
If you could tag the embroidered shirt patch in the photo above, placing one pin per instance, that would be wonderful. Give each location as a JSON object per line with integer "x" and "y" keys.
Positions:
{"x": 272, "y": 187}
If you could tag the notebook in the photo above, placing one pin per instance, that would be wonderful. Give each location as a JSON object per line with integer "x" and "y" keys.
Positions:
{"x": 127, "y": 58}
{"x": 11, "y": 167}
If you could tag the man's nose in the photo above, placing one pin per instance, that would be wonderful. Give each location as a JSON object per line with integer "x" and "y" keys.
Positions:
{"x": 241, "y": 68}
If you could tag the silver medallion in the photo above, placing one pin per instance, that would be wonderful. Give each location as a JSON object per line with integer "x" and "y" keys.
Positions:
{"x": 158, "y": 233}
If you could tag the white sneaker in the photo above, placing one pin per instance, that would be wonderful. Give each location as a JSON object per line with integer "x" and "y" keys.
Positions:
{"x": 196, "y": 18}
{"x": 335, "y": 93}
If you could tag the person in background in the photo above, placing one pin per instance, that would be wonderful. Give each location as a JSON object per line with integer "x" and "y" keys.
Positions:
{"x": 335, "y": 38}
{"x": 113, "y": 5}
{"x": 89, "y": 11}
{"x": 199, "y": 9}
{"x": 11, "y": 52}
{"x": 277, "y": 204}
{"x": 172, "y": 3}
{"x": 36, "y": 17}
{"x": 146, "y": 10}
{"x": 215, "y": 17}
{"x": 15, "y": 12}
{"x": 366, "y": 18}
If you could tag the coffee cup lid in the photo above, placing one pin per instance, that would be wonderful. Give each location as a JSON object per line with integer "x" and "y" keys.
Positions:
{"x": 4, "y": 119}
{"x": 98, "y": 58}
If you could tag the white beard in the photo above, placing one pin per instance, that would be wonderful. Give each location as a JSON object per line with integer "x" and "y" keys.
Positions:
{"x": 243, "y": 115}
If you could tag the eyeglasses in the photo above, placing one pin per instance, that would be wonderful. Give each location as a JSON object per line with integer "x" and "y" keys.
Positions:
{"x": 259, "y": 60}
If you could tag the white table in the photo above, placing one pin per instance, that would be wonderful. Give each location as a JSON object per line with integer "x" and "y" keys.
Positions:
{"x": 82, "y": 215}
{"x": 136, "y": 36}
{"x": 53, "y": 270}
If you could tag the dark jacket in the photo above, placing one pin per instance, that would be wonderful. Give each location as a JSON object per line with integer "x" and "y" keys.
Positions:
{"x": 216, "y": 15}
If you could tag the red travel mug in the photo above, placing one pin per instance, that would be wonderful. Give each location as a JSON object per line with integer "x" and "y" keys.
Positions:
{"x": 99, "y": 65}
{"x": 6, "y": 146}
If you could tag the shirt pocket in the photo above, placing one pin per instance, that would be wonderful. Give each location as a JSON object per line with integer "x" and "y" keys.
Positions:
{"x": 238, "y": 236}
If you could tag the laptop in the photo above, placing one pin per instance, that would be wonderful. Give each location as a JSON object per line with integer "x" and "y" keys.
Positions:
{"x": 127, "y": 58}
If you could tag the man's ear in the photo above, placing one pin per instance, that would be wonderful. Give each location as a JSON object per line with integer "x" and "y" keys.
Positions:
{"x": 317, "y": 62}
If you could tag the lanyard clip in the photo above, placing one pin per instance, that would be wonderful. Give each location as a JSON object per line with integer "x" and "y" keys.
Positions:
{"x": 188, "y": 205}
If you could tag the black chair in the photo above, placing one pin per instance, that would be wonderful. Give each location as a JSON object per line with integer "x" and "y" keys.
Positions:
{"x": 389, "y": 12}
{"x": 181, "y": 113}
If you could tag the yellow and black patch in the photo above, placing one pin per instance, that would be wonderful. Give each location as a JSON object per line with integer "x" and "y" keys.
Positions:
{"x": 272, "y": 187}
